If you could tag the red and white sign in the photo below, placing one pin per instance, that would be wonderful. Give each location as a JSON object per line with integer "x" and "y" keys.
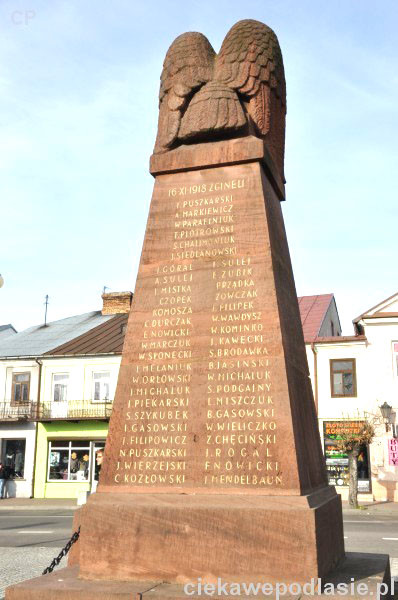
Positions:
{"x": 393, "y": 452}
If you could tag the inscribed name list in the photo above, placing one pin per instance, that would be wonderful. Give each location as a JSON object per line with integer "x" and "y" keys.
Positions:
{"x": 201, "y": 410}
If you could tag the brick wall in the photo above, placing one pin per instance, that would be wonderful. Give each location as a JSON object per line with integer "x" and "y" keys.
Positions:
{"x": 116, "y": 302}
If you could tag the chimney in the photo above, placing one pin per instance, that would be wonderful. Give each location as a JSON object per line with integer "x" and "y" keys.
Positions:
{"x": 116, "y": 303}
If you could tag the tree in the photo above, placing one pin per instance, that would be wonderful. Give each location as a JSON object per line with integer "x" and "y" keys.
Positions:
{"x": 351, "y": 443}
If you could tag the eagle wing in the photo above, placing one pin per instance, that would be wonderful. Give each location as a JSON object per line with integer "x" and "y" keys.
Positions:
{"x": 250, "y": 62}
{"x": 188, "y": 65}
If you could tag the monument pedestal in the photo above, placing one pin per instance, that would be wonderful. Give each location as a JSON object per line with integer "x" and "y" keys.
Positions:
{"x": 179, "y": 538}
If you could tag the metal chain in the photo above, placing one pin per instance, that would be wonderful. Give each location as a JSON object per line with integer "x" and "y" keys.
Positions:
{"x": 63, "y": 553}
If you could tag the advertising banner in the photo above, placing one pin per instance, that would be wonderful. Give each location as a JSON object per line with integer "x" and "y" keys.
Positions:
{"x": 337, "y": 461}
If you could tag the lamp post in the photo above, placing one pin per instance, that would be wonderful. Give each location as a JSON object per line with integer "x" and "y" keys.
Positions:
{"x": 386, "y": 413}
{"x": 386, "y": 410}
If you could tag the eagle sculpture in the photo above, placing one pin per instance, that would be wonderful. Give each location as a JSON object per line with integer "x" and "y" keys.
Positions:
{"x": 241, "y": 91}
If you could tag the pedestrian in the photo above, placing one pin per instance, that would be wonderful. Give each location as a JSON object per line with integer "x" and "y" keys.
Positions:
{"x": 9, "y": 475}
{"x": 99, "y": 457}
{"x": 3, "y": 479}
{"x": 84, "y": 465}
{"x": 362, "y": 467}
{"x": 74, "y": 465}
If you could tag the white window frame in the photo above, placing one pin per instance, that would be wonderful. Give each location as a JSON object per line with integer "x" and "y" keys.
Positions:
{"x": 66, "y": 375}
{"x": 100, "y": 372}
{"x": 395, "y": 358}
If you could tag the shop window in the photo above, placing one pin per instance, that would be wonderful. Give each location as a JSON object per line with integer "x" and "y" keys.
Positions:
{"x": 20, "y": 388}
{"x": 60, "y": 387}
{"x": 79, "y": 444}
{"x": 101, "y": 384}
{"x": 13, "y": 457}
{"x": 59, "y": 467}
{"x": 69, "y": 460}
{"x": 343, "y": 378}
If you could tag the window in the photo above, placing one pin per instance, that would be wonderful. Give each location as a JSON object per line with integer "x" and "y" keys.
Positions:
{"x": 69, "y": 460}
{"x": 395, "y": 355}
{"x": 13, "y": 457}
{"x": 20, "y": 388}
{"x": 60, "y": 387}
{"x": 343, "y": 378}
{"x": 101, "y": 380}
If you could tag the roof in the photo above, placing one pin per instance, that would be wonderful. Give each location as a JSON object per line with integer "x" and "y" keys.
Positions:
{"x": 385, "y": 308}
{"x": 6, "y": 331}
{"x": 338, "y": 339}
{"x": 94, "y": 333}
{"x": 313, "y": 310}
{"x": 103, "y": 339}
{"x": 9, "y": 326}
{"x": 39, "y": 339}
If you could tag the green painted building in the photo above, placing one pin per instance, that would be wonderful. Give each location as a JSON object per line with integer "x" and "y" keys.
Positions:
{"x": 66, "y": 452}
{"x": 77, "y": 386}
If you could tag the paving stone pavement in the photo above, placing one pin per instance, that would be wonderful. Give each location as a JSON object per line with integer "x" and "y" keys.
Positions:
{"x": 18, "y": 564}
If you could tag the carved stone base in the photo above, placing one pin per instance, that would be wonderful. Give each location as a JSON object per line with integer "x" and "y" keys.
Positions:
{"x": 178, "y": 538}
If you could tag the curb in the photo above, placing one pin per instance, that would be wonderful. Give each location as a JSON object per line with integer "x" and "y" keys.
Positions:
{"x": 36, "y": 507}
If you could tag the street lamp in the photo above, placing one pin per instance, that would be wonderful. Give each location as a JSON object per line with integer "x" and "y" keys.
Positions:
{"x": 386, "y": 413}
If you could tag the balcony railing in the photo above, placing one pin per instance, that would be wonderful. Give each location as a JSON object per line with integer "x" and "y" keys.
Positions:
{"x": 48, "y": 411}
{"x": 74, "y": 410}
{"x": 18, "y": 411}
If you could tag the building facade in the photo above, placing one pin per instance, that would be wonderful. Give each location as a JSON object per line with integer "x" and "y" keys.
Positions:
{"x": 19, "y": 388}
{"x": 76, "y": 402}
{"x": 352, "y": 377}
{"x": 57, "y": 384}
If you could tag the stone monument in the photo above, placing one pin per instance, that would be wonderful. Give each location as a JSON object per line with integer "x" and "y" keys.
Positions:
{"x": 213, "y": 464}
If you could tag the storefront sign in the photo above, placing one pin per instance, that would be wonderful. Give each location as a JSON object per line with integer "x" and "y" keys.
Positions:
{"x": 393, "y": 452}
{"x": 337, "y": 462}
{"x": 339, "y": 428}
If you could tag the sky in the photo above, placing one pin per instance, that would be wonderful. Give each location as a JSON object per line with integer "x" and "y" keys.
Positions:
{"x": 79, "y": 82}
